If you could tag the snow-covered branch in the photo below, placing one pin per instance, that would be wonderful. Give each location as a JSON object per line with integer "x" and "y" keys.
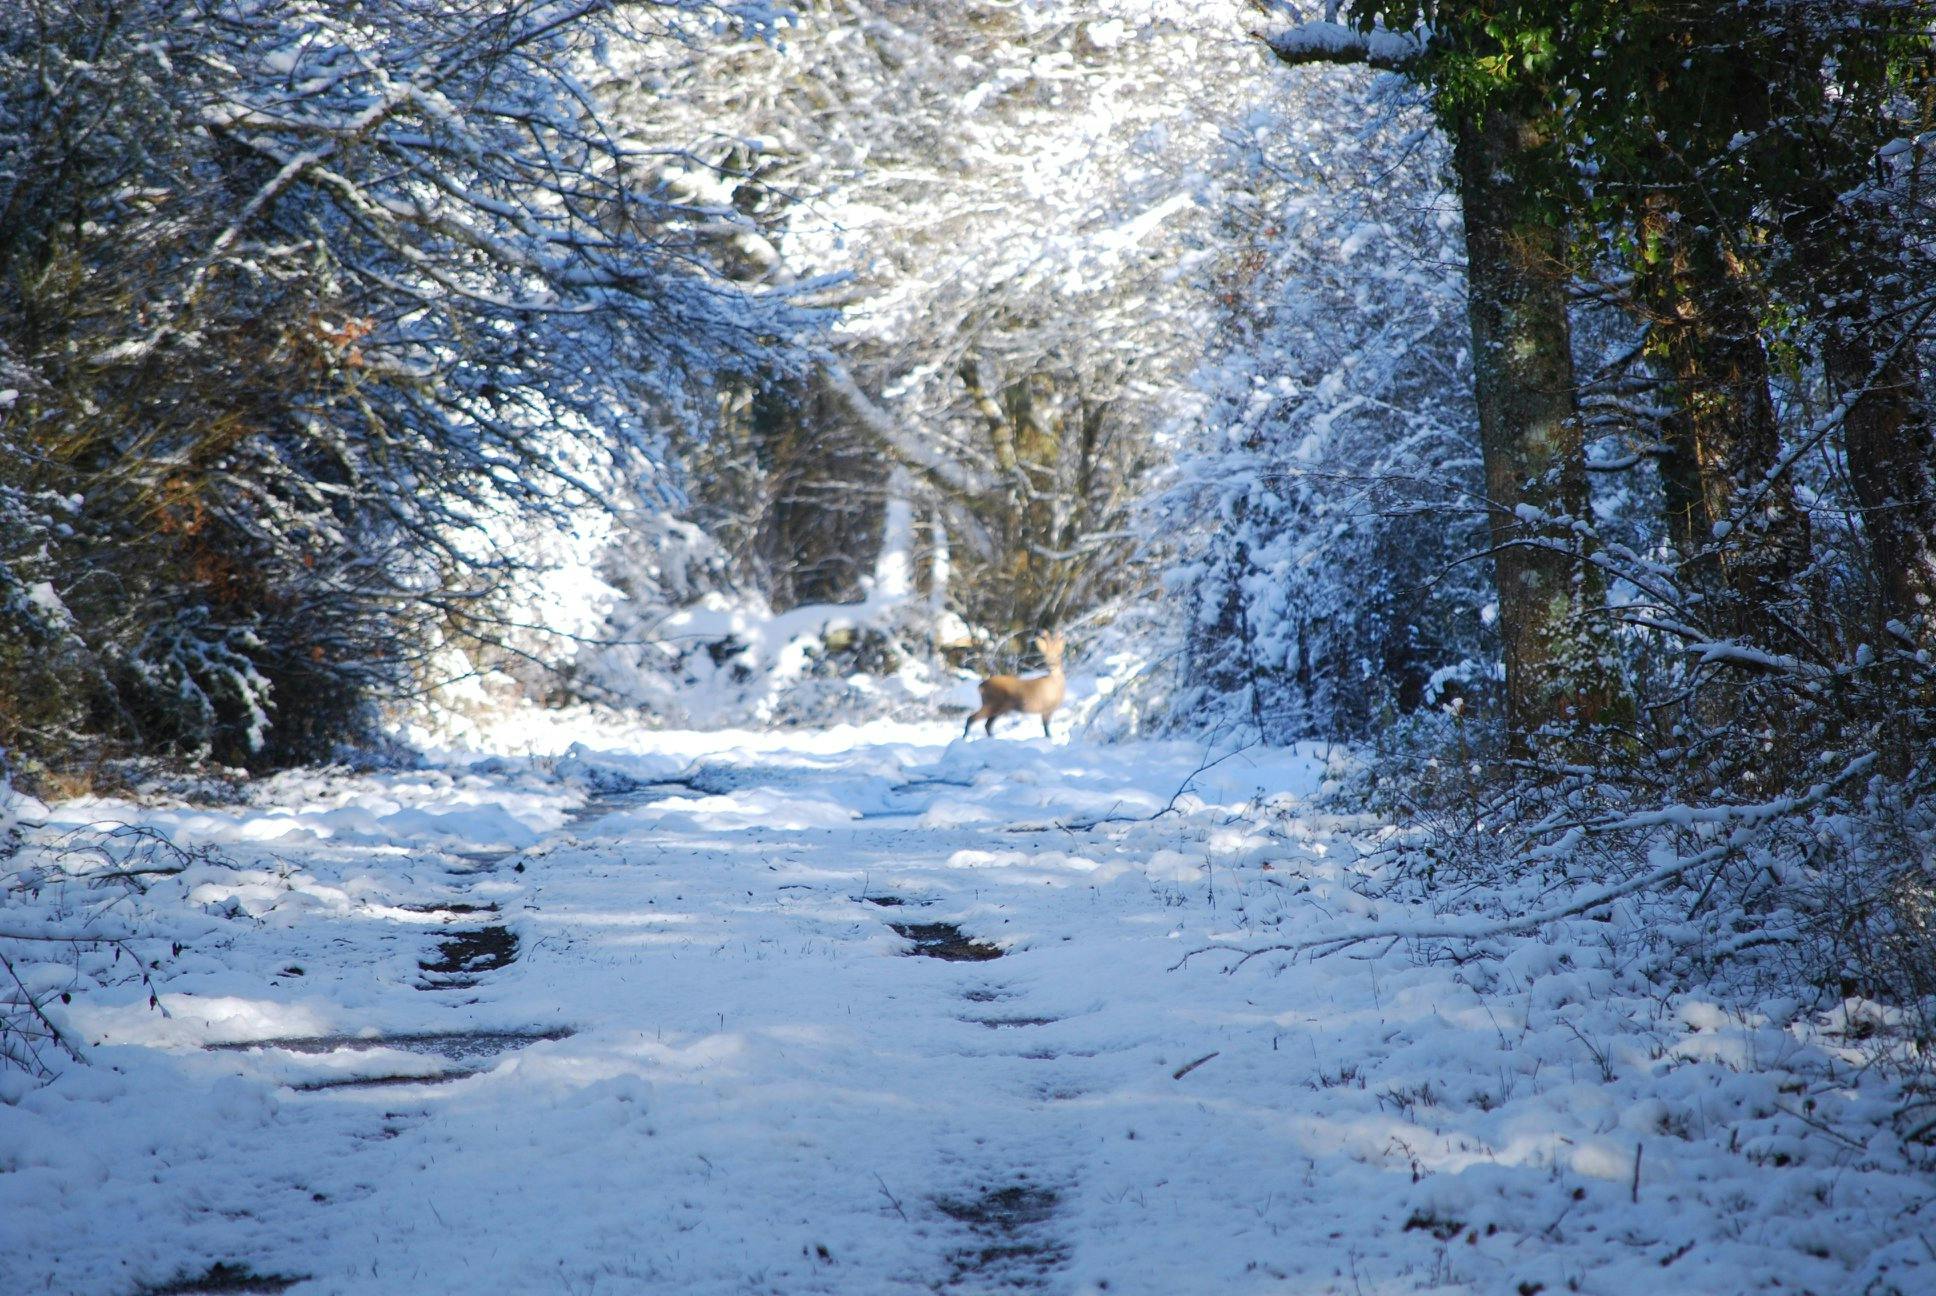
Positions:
{"x": 906, "y": 447}
{"x": 1335, "y": 42}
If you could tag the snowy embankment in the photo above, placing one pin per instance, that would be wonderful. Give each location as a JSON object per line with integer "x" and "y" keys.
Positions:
{"x": 870, "y": 1011}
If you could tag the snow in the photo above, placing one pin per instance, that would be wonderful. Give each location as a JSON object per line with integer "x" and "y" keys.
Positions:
{"x": 1333, "y": 42}
{"x": 41, "y": 594}
{"x": 763, "y": 1090}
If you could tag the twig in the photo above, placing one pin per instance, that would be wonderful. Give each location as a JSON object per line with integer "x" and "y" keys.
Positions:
{"x": 54, "y": 1032}
{"x": 1083, "y": 825}
{"x": 1187, "y": 1068}
{"x": 1822, "y": 1127}
{"x": 892, "y": 1200}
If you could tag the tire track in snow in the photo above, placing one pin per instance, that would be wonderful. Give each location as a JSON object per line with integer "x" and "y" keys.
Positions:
{"x": 1003, "y": 1232}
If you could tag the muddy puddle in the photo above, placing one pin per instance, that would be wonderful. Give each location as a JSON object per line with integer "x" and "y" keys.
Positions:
{"x": 468, "y": 1049}
{"x": 630, "y": 796}
{"x": 378, "y": 1081}
{"x": 1011, "y": 1249}
{"x": 223, "y": 1278}
{"x": 463, "y": 956}
{"x": 458, "y": 1046}
{"x": 946, "y": 941}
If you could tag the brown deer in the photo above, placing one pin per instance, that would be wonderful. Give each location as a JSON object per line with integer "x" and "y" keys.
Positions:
{"x": 1037, "y": 695}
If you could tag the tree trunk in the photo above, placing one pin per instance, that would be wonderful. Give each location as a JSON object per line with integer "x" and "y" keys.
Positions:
{"x": 1857, "y": 264}
{"x": 1690, "y": 528}
{"x": 1557, "y": 672}
{"x": 1891, "y": 447}
{"x": 1559, "y": 665}
{"x": 1725, "y": 440}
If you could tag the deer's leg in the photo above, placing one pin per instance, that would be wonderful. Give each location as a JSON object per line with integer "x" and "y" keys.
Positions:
{"x": 1045, "y": 728}
{"x": 969, "y": 728}
{"x": 989, "y": 728}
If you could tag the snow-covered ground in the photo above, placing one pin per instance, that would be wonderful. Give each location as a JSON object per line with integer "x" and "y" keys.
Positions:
{"x": 635, "y": 1016}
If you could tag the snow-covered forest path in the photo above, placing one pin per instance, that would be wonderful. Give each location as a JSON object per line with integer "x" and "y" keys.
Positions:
{"x": 868, "y": 1011}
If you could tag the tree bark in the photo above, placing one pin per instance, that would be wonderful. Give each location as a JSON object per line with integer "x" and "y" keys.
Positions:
{"x": 1891, "y": 447}
{"x": 1725, "y": 442}
{"x": 1690, "y": 529}
{"x": 1857, "y": 266}
{"x": 1557, "y": 671}
{"x": 1037, "y": 510}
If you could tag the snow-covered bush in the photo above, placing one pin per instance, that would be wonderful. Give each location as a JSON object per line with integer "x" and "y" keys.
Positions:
{"x": 305, "y": 299}
{"x": 684, "y": 647}
{"x": 63, "y": 927}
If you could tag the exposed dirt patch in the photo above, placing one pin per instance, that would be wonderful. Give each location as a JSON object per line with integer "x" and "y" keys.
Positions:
{"x": 885, "y": 901}
{"x": 997, "y": 1023}
{"x": 1442, "y": 1229}
{"x": 454, "y": 907}
{"x": 1012, "y": 1249}
{"x": 465, "y": 955}
{"x": 1007, "y": 1208}
{"x": 946, "y": 941}
{"x": 224, "y": 1278}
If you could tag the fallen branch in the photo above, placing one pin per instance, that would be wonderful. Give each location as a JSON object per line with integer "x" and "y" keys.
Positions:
{"x": 1747, "y": 818}
{"x": 906, "y": 447}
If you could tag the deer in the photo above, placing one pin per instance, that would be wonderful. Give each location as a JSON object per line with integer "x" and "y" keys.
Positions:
{"x": 1037, "y": 695}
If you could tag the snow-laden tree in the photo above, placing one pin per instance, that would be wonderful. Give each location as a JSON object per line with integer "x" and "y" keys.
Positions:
{"x": 1334, "y": 484}
{"x": 1018, "y": 208}
{"x": 305, "y": 304}
{"x": 1697, "y": 241}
